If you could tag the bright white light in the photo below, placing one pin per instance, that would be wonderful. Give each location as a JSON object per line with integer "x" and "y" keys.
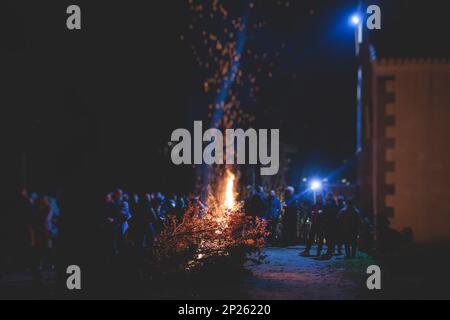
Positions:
{"x": 355, "y": 19}
{"x": 316, "y": 185}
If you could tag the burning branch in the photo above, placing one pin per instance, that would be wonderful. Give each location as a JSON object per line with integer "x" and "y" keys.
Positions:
{"x": 220, "y": 232}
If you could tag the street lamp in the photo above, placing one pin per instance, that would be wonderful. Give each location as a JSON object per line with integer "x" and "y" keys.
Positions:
{"x": 355, "y": 19}
{"x": 316, "y": 185}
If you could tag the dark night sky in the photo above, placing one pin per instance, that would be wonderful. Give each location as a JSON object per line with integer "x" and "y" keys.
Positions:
{"x": 116, "y": 90}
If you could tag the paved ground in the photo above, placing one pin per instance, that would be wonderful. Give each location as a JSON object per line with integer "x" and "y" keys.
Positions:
{"x": 413, "y": 274}
{"x": 288, "y": 276}
{"x": 284, "y": 276}
{"x": 20, "y": 285}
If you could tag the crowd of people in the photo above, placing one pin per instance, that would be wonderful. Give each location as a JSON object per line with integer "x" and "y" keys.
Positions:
{"x": 136, "y": 220}
{"x": 333, "y": 221}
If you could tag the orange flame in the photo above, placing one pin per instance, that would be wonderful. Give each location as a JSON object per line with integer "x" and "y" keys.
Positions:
{"x": 230, "y": 201}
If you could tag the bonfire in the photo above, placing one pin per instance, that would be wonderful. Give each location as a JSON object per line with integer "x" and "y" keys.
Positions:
{"x": 219, "y": 235}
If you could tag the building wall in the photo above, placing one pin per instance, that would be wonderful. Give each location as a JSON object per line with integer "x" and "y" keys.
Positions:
{"x": 411, "y": 146}
{"x": 365, "y": 130}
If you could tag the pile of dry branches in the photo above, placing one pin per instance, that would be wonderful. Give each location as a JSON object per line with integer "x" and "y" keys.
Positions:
{"x": 209, "y": 237}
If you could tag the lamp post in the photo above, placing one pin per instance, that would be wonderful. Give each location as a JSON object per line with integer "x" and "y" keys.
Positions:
{"x": 357, "y": 21}
{"x": 315, "y": 186}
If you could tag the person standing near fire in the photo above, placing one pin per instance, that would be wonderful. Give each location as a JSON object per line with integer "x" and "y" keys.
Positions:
{"x": 274, "y": 213}
{"x": 350, "y": 220}
{"x": 42, "y": 237}
{"x": 257, "y": 206}
{"x": 329, "y": 223}
{"x": 316, "y": 231}
{"x": 290, "y": 218}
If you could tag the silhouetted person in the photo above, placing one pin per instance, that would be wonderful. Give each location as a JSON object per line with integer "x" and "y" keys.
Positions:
{"x": 329, "y": 222}
{"x": 350, "y": 220}
{"x": 290, "y": 217}
{"x": 339, "y": 233}
{"x": 168, "y": 208}
{"x": 316, "y": 231}
{"x": 42, "y": 236}
{"x": 117, "y": 220}
{"x": 142, "y": 231}
{"x": 157, "y": 201}
{"x": 274, "y": 213}
{"x": 180, "y": 207}
{"x": 249, "y": 191}
{"x": 258, "y": 205}
{"x": 195, "y": 207}
{"x": 133, "y": 203}
{"x": 304, "y": 210}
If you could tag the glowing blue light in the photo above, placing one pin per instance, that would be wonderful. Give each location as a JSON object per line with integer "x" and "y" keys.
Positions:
{"x": 316, "y": 185}
{"x": 356, "y": 19}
